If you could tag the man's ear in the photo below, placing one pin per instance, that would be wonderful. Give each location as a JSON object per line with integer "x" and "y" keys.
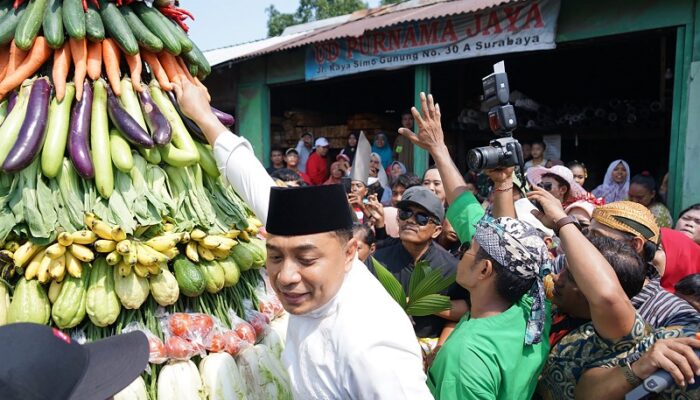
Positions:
{"x": 438, "y": 231}
{"x": 638, "y": 244}
{"x": 485, "y": 269}
{"x": 350, "y": 253}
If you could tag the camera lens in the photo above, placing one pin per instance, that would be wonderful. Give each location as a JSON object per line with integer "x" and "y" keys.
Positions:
{"x": 475, "y": 159}
{"x": 484, "y": 157}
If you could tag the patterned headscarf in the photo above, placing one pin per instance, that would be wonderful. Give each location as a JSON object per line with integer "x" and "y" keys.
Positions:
{"x": 629, "y": 217}
{"x": 518, "y": 247}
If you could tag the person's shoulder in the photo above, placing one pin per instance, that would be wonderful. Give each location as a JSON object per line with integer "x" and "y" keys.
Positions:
{"x": 441, "y": 256}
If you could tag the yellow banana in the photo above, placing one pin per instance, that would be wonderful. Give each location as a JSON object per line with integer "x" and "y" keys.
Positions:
{"x": 255, "y": 222}
{"x": 65, "y": 239}
{"x": 24, "y": 253}
{"x": 232, "y": 234}
{"x": 168, "y": 227}
{"x": 171, "y": 253}
{"x": 124, "y": 247}
{"x": 123, "y": 268}
{"x": 82, "y": 253}
{"x": 205, "y": 253}
{"x": 43, "y": 274}
{"x": 221, "y": 253}
{"x": 57, "y": 269}
{"x": 54, "y": 290}
{"x": 55, "y": 251}
{"x": 191, "y": 252}
{"x": 118, "y": 233}
{"x": 147, "y": 256}
{"x": 154, "y": 269}
{"x": 113, "y": 258}
{"x": 33, "y": 267}
{"x": 84, "y": 237}
{"x": 164, "y": 242}
{"x": 141, "y": 270}
{"x": 132, "y": 258}
{"x": 73, "y": 265}
{"x": 197, "y": 234}
{"x": 102, "y": 229}
{"x": 244, "y": 236}
{"x": 89, "y": 218}
{"x": 62, "y": 274}
{"x": 185, "y": 237}
{"x": 105, "y": 246}
{"x": 210, "y": 242}
{"x": 11, "y": 246}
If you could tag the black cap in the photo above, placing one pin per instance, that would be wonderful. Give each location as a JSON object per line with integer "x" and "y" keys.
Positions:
{"x": 40, "y": 362}
{"x": 422, "y": 197}
{"x": 308, "y": 210}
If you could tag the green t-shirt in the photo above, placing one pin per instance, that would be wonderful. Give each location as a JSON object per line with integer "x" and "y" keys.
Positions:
{"x": 487, "y": 358}
{"x": 464, "y": 214}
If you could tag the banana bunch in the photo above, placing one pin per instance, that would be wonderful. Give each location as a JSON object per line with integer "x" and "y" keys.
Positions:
{"x": 211, "y": 247}
{"x": 44, "y": 263}
{"x": 254, "y": 226}
{"x": 7, "y": 265}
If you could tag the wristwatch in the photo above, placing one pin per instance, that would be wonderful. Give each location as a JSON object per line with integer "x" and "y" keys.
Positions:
{"x": 630, "y": 376}
{"x": 565, "y": 221}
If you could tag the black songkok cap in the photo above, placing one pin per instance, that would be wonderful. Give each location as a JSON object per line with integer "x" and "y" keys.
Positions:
{"x": 308, "y": 210}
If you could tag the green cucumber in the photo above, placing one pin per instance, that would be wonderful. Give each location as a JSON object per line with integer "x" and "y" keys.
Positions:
{"x": 8, "y": 24}
{"x": 193, "y": 68}
{"x": 206, "y": 160}
{"x": 121, "y": 151}
{"x": 153, "y": 21}
{"x": 53, "y": 24}
{"x": 94, "y": 27}
{"x": 185, "y": 41}
{"x": 118, "y": 29}
{"x": 144, "y": 37}
{"x": 197, "y": 57}
{"x": 74, "y": 18}
{"x": 29, "y": 24}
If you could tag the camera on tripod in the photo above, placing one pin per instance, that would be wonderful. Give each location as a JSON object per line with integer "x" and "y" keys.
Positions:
{"x": 504, "y": 151}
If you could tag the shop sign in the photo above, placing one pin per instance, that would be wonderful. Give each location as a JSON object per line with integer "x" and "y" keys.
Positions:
{"x": 522, "y": 26}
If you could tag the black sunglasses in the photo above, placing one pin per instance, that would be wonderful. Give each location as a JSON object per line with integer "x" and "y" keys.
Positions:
{"x": 545, "y": 185}
{"x": 422, "y": 219}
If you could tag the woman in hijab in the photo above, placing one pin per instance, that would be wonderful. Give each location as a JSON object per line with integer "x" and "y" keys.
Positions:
{"x": 616, "y": 185}
{"x": 381, "y": 146}
{"x": 376, "y": 171}
{"x": 395, "y": 170}
{"x": 350, "y": 149}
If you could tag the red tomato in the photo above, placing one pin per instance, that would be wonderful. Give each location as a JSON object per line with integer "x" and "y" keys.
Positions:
{"x": 217, "y": 343}
{"x": 259, "y": 322}
{"x": 179, "y": 324}
{"x": 245, "y": 332}
{"x": 157, "y": 351}
{"x": 234, "y": 344}
{"x": 179, "y": 348}
{"x": 200, "y": 326}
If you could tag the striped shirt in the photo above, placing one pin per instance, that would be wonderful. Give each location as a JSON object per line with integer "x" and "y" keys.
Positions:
{"x": 661, "y": 308}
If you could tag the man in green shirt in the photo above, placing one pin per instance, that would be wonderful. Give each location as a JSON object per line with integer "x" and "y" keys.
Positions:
{"x": 499, "y": 347}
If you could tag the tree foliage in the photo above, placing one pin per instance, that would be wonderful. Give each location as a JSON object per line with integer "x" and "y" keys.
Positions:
{"x": 309, "y": 10}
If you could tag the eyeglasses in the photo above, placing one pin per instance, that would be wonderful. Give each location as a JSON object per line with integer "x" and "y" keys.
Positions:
{"x": 422, "y": 219}
{"x": 545, "y": 185}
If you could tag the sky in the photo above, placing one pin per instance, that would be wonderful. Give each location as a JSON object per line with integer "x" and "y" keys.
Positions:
{"x": 222, "y": 23}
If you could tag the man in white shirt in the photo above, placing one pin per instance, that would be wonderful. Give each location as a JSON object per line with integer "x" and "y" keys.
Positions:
{"x": 347, "y": 339}
{"x": 304, "y": 148}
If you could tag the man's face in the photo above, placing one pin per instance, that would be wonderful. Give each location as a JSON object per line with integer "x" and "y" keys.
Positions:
{"x": 537, "y": 151}
{"x": 307, "y": 271}
{"x": 277, "y": 157}
{"x": 556, "y": 190}
{"x": 433, "y": 182}
{"x": 337, "y": 171}
{"x": 468, "y": 267}
{"x": 411, "y": 231}
{"x": 307, "y": 140}
{"x": 292, "y": 160}
{"x": 407, "y": 121}
{"x": 567, "y": 297}
{"x": 363, "y": 251}
{"x": 358, "y": 188}
{"x": 396, "y": 194}
{"x": 581, "y": 216}
{"x": 448, "y": 232}
{"x": 322, "y": 150}
{"x": 689, "y": 225}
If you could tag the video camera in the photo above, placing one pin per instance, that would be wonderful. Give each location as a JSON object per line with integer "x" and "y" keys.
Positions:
{"x": 504, "y": 151}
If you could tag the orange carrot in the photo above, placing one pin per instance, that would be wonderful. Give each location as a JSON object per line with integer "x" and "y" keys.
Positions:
{"x": 111, "y": 60}
{"x": 184, "y": 71}
{"x": 17, "y": 55}
{"x": 157, "y": 70}
{"x": 169, "y": 64}
{"x": 94, "y": 60}
{"x": 61, "y": 65}
{"x": 135, "y": 71}
{"x": 4, "y": 59}
{"x": 78, "y": 50}
{"x": 37, "y": 56}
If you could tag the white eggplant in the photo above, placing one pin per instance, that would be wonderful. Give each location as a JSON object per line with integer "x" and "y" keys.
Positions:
{"x": 221, "y": 378}
{"x": 264, "y": 375}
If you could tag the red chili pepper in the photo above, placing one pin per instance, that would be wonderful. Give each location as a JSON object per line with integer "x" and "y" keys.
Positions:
{"x": 85, "y": 7}
{"x": 96, "y": 3}
{"x": 17, "y": 3}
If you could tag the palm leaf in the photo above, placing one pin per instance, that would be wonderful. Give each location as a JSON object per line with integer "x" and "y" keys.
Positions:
{"x": 428, "y": 305}
{"x": 417, "y": 276}
{"x": 433, "y": 282}
{"x": 390, "y": 283}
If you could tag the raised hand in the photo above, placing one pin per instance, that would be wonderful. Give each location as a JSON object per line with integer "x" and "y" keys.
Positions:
{"x": 430, "y": 136}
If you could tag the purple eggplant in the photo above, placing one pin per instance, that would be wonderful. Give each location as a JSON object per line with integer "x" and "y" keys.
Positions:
{"x": 11, "y": 101}
{"x": 32, "y": 133}
{"x": 191, "y": 126}
{"x": 156, "y": 121}
{"x": 225, "y": 118}
{"x": 127, "y": 125}
{"x": 79, "y": 134}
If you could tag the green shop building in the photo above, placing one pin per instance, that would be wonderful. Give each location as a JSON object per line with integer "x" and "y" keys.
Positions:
{"x": 596, "y": 80}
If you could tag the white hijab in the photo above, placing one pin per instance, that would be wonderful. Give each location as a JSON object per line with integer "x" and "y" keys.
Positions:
{"x": 611, "y": 190}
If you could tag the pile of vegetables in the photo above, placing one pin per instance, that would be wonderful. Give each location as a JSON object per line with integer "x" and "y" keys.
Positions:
{"x": 113, "y": 214}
